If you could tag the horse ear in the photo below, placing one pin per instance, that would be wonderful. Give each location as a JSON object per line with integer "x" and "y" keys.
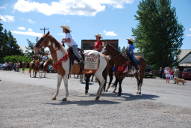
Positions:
{"x": 48, "y": 33}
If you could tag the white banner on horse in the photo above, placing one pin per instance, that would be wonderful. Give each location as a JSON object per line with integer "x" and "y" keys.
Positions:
{"x": 91, "y": 61}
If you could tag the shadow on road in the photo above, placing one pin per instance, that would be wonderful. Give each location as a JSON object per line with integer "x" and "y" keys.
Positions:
{"x": 130, "y": 97}
{"x": 84, "y": 102}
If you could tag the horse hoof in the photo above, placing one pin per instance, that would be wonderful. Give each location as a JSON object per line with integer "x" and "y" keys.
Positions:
{"x": 54, "y": 98}
{"x": 97, "y": 98}
{"x": 119, "y": 95}
{"x": 65, "y": 99}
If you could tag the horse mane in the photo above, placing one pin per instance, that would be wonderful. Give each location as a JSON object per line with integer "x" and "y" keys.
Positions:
{"x": 117, "y": 51}
{"x": 41, "y": 39}
{"x": 57, "y": 44}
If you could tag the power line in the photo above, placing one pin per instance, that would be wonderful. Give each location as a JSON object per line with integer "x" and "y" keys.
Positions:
{"x": 44, "y": 29}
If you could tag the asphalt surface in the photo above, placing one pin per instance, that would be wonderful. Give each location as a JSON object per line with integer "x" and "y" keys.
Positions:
{"x": 26, "y": 103}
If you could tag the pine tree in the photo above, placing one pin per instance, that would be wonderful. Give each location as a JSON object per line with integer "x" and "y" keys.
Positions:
{"x": 158, "y": 35}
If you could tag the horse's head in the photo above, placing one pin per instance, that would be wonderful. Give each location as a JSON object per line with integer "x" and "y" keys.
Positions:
{"x": 42, "y": 43}
{"x": 46, "y": 41}
{"x": 108, "y": 49}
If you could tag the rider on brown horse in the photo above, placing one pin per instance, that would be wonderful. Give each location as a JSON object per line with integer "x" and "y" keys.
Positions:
{"x": 130, "y": 53}
{"x": 98, "y": 45}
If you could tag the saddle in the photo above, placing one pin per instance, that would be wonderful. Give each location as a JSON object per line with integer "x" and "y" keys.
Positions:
{"x": 73, "y": 57}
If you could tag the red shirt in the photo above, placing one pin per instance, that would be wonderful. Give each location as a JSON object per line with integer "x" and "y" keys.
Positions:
{"x": 98, "y": 45}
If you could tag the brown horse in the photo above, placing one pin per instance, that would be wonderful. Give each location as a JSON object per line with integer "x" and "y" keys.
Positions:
{"x": 120, "y": 61}
{"x": 44, "y": 68}
{"x": 34, "y": 66}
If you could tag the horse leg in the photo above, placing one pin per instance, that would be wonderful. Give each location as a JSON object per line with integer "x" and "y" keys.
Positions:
{"x": 44, "y": 74}
{"x": 110, "y": 80}
{"x": 59, "y": 80}
{"x": 120, "y": 88}
{"x": 105, "y": 78}
{"x": 81, "y": 78}
{"x": 101, "y": 85}
{"x": 92, "y": 78}
{"x": 87, "y": 83}
{"x": 66, "y": 87}
{"x": 140, "y": 85}
{"x": 138, "y": 82}
{"x": 141, "y": 81}
{"x": 30, "y": 71}
{"x": 34, "y": 73}
{"x": 115, "y": 85}
{"x": 99, "y": 76}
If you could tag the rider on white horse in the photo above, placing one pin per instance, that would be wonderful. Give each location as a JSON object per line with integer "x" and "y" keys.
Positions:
{"x": 71, "y": 43}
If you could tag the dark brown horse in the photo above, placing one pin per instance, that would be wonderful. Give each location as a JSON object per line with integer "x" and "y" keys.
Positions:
{"x": 120, "y": 61}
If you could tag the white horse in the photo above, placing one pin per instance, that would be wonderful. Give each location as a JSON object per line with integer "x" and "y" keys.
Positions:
{"x": 61, "y": 63}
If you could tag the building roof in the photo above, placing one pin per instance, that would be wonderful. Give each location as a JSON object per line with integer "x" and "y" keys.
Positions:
{"x": 183, "y": 53}
{"x": 186, "y": 60}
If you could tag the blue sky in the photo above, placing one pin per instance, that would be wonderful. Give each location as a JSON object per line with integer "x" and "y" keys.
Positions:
{"x": 114, "y": 19}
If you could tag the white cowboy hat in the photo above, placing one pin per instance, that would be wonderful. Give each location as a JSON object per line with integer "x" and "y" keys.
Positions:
{"x": 66, "y": 27}
{"x": 131, "y": 40}
{"x": 98, "y": 35}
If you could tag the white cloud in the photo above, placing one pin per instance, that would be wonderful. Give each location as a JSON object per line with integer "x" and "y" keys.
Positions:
{"x": 29, "y": 32}
{"x": 21, "y": 28}
{"x": 7, "y": 18}
{"x": 188, "y": 35}
{"x": 69, "y": 7}
{"x": 30, "y": 29}
{"x": 109, "y": 33}
{"x": 31, "y": 21}
{"x": 189, "y": 29}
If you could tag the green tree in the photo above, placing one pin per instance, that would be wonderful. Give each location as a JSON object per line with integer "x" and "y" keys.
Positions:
{"x": 17, "y": 58}
{"x": 29, "y": 49}
{"x": 8, "y": 44}
{"x": 158, "y": 35}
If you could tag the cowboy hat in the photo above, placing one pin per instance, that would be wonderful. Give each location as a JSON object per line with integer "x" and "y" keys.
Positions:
{"x": 131, "y": 40}
{"x": 66, "y": 27}
{"x": 98, "y": 35}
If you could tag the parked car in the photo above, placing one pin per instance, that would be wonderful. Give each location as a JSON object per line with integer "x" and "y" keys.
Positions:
{"x": 186, "y": 73}
{"x": 148, "y": 71}
{"x": 3, "y": 66}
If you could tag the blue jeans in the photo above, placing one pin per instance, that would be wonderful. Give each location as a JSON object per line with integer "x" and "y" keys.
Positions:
{"x": 76, "y": 53}
{"x": 133, "y": 59}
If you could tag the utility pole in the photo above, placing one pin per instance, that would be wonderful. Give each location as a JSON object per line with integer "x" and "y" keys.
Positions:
{"x": 44, "y": 29}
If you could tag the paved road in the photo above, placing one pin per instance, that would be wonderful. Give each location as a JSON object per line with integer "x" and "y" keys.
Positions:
{"x": 26, "y": 102}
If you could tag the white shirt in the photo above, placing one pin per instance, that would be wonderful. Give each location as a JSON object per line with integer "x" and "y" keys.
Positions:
{"x": 68, "y": 36}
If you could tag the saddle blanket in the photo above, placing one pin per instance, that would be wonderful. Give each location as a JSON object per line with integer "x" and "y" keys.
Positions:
{"x": 91, "y": 60}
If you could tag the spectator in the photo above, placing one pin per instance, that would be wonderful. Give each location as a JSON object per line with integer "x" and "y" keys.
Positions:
{"x": 167, "y": 74}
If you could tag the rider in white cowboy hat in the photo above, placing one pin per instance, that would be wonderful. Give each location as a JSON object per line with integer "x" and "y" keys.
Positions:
{"x": 98, "y": 45}
{"x": 70, "y": 42}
